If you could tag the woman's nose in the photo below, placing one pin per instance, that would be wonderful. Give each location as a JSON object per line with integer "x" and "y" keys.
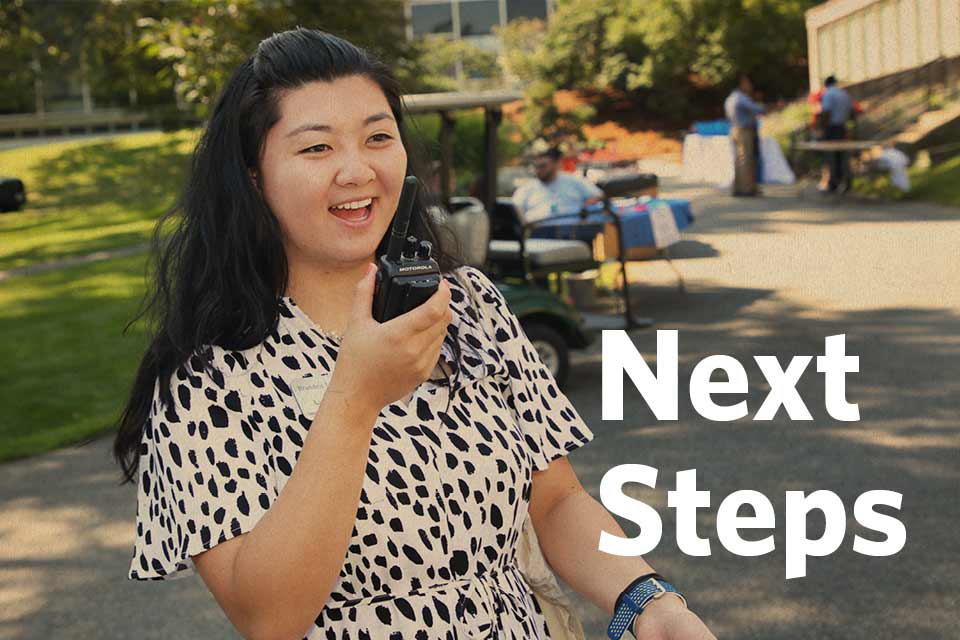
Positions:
{"x": 355, "y": 171}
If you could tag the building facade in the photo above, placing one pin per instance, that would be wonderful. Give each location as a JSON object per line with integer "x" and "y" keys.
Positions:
{"x": 862, "y": 40}
{"x": 470, "y": 20}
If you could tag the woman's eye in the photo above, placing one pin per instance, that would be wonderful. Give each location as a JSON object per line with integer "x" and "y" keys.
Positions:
{"x": 316, "y": 146}
{"x": 381, "y": 137}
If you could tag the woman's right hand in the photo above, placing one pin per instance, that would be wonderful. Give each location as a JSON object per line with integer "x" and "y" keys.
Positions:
{"x": 382, "y": 363}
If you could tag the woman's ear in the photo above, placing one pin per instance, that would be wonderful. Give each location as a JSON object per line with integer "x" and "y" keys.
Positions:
{"x": 254, "y": 179}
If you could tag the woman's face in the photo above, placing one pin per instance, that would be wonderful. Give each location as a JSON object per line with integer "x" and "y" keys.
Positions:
{"x": 332, "y": 169}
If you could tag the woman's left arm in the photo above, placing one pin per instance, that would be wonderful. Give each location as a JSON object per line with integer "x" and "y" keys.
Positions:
{"x": 568, "y": 522}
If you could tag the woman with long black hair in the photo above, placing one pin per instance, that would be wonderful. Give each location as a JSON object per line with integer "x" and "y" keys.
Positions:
{"x": 329, "y": 476}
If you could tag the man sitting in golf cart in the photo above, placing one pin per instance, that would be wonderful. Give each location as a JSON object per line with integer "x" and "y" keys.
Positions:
{"x": 553, "y": 192}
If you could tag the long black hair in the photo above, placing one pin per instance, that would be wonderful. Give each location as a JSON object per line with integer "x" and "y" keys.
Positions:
{"x": 219, "y": 271}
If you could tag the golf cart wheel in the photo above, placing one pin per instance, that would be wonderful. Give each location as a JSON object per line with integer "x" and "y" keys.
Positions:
{"x": 552, "y": 349}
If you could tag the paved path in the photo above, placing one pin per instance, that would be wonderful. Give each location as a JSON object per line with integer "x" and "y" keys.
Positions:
{"x": 39, "y": 141}
{"x": 52, "y": 265}
{"x": 772, "y": 276}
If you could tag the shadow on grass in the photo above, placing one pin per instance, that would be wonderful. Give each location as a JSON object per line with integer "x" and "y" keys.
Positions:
{"x": 106, "y": 172}
{"x": 77, "y": 247}
{"x": 94, "y": 197}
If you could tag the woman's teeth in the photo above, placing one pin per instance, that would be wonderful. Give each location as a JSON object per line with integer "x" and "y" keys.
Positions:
{"x": 357, "y": 204}
{"x": 357, "y": 210}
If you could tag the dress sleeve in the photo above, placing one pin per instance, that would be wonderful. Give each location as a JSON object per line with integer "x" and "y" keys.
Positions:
{"x": 205, "y": 472}
{"x": 552, "y": 426}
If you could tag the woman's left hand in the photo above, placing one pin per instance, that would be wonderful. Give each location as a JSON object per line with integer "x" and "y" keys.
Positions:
{"x": 667, "y": 618}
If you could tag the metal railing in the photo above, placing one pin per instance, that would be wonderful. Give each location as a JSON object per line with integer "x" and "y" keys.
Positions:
{"x": 895, "y": 101}
{"x": 69, "y": 122}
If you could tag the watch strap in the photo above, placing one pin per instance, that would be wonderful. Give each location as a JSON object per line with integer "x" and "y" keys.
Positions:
{"x": 633, "y": 601}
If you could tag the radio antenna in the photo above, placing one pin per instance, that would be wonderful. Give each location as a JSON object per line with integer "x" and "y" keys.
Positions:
{"x": 401, "y": 219}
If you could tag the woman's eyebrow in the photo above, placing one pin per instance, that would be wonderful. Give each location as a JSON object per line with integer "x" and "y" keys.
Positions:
{"x": 323, "y": 127}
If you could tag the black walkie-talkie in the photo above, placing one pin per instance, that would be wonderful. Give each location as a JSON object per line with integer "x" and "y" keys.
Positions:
{"x": 407, "y": 275}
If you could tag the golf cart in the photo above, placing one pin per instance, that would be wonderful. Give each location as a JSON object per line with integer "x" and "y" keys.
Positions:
{"x": 552, "y": 325}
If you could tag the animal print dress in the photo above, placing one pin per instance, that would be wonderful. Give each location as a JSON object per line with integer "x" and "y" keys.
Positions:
{"x": 446, "y": 487}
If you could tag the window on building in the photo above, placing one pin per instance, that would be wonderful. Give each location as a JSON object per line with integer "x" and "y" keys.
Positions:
{"x": 431, "y": 18}
{"x": 478, "y": 17}
{"x": 526, "y": 9}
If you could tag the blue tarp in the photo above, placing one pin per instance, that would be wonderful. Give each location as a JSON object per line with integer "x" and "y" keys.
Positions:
{"x": 712, "y": 127}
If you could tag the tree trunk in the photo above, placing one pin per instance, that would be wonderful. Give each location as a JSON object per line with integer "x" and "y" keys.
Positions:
{"x": 37, "y": 84}
{"x": 85, "y": 81}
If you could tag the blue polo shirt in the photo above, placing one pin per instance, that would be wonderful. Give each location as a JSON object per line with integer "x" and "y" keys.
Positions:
{"x": 741, "y": 111}
{"x": 837, "y": 102}
{"x": 565, "y": 194}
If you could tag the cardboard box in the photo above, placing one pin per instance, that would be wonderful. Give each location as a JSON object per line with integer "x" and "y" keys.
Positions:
{"x": 605, "y": 246}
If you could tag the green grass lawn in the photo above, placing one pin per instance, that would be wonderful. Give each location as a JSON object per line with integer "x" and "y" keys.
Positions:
{"x": 939, "y": 183}
{"x": 66, "y": 365}
{"x": 87, "y": 196}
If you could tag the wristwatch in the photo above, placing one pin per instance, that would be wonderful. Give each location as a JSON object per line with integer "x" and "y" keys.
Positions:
{"x": 634, "y": 600}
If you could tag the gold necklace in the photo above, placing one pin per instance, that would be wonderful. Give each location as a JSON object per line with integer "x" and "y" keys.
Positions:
{"x": 331, "y": 334}
{"x": 323, "y": 332}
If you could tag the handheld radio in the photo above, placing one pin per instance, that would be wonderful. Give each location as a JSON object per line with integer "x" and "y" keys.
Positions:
{"x": 407, "y": 275}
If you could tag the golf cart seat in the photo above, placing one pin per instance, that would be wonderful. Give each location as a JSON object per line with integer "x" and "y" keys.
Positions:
{"x": 544, "y": 255}
{"x": 629, "y": 184}
{"x": 470, "y": 223}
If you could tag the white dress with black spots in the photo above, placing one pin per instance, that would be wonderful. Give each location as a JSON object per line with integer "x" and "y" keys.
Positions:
{"x": 444, "y": 498}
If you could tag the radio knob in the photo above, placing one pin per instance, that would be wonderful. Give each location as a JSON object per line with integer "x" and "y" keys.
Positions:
{"x": 410, "y": 248}
{"x": 423, "y": 252}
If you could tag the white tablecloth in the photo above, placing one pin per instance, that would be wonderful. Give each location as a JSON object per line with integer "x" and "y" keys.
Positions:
{"x": 710, "y": 159}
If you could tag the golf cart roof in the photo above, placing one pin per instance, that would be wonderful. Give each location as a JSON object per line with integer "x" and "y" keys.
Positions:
{"x": 444, "y": 103}
{"x": 450, "y": 100}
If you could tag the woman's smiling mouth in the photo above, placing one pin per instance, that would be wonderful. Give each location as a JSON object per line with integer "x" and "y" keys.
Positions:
{"x": 354, "y": 212}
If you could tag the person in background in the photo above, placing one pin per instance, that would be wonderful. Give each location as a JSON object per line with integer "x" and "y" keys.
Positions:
{"x": 742, "y": 111}
{"x": 554, "y": 192}
{"x": 836, "y": 108}
{"x": 815, "y": 128}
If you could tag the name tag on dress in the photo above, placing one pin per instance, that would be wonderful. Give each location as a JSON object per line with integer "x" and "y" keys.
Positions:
{"x": 309, "y": 392}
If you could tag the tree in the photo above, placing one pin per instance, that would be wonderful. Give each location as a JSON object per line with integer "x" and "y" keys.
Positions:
{"x": 19, "y": 41}
{"x": 436, "y": 58}
{"x": 521, "y": 43}
{"x": 669, "y": 57}
{"x": 204, "y": 40}
{"x": 122, "y": 71}
{"x": 143, "y": 52}
{"x": 47, "y": 44}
